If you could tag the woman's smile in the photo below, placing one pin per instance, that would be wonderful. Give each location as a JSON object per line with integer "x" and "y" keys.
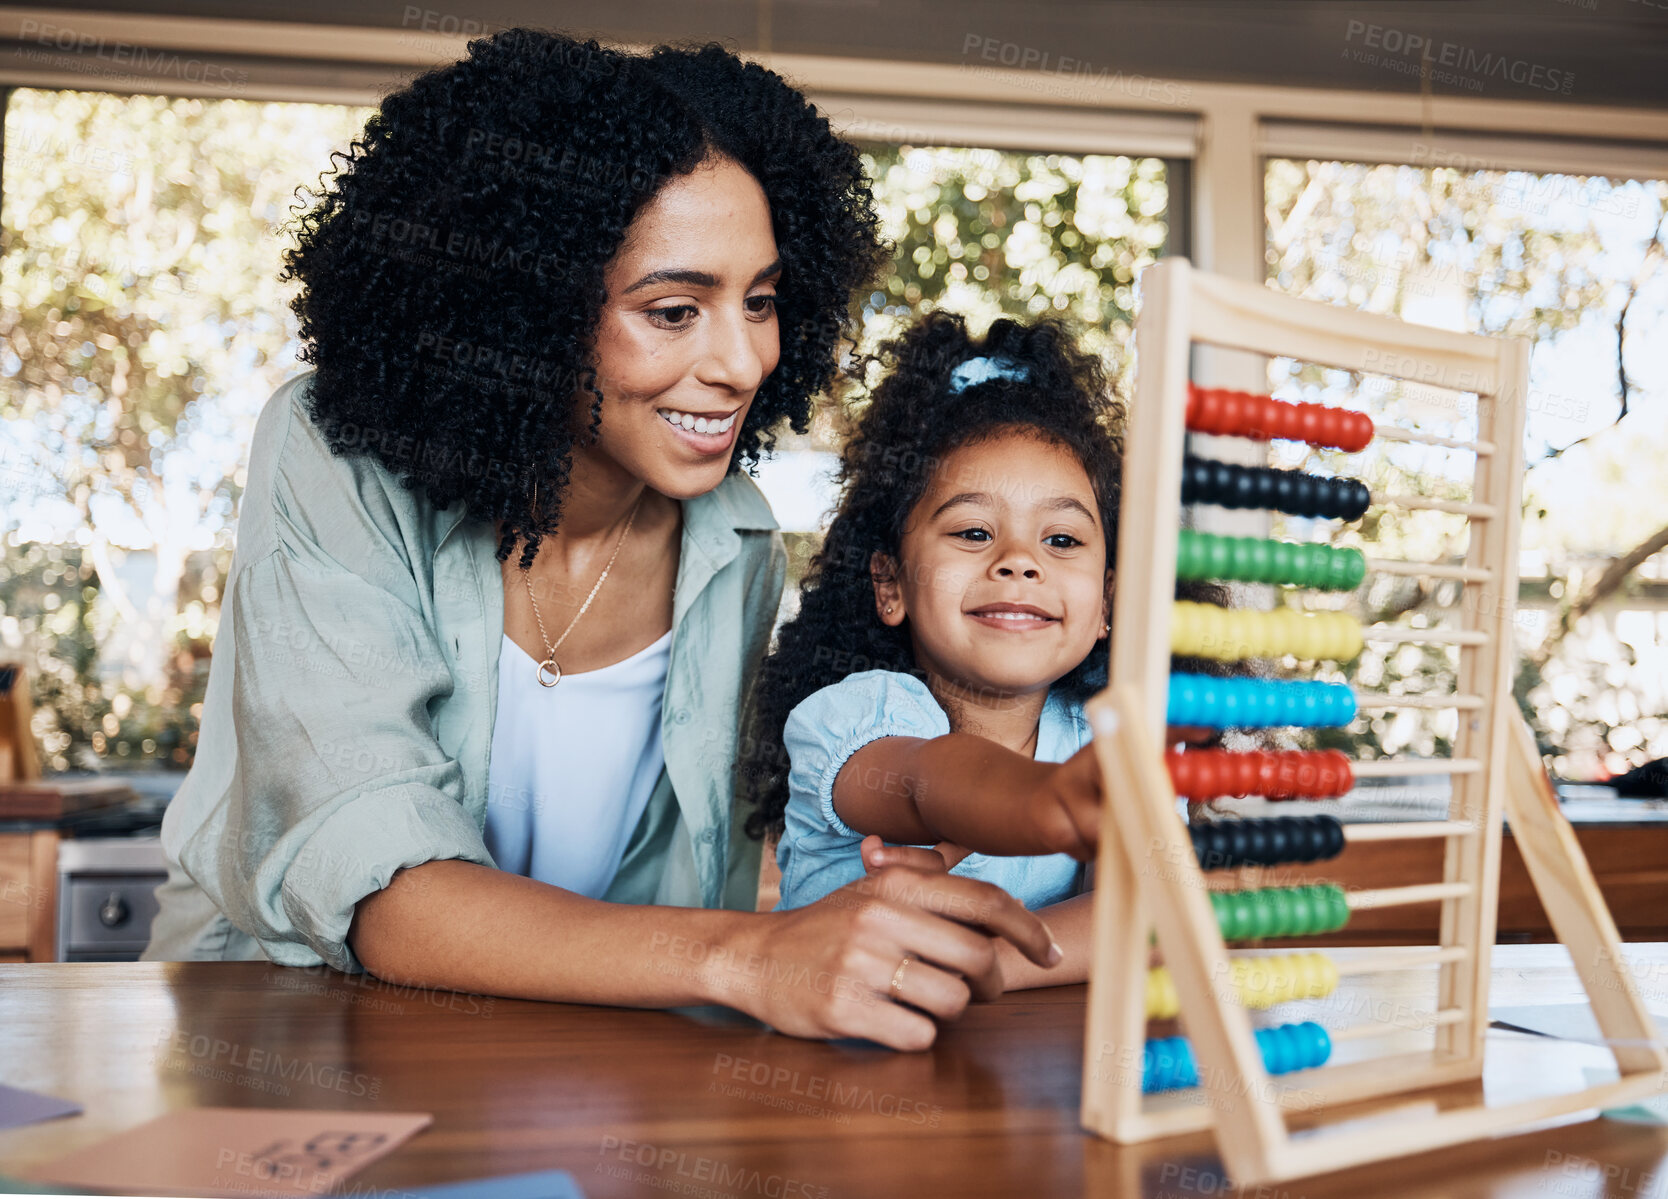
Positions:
{"x": 707, "y": 433}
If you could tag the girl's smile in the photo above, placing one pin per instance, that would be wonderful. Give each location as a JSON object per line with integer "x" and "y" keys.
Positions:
{"x": 1013, "y": 618}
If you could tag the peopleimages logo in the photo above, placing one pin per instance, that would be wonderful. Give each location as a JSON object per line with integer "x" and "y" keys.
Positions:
{"x": 1066, "y": 75}
{"x": 1464, "y": 66}
{"x": 139, "y": 60}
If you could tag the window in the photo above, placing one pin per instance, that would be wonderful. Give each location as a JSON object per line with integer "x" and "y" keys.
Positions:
{"x": 1571, "y": 262}
{"x": 142, "y": 327}
{"x": 987, "y": 233}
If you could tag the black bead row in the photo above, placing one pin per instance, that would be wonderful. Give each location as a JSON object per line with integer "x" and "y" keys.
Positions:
{"x": 1206, "y": 481}
{"x": 1269, "y": 842}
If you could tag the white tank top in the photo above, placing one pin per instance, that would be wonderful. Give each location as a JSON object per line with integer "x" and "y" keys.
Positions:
{"x": 573, "y": 766}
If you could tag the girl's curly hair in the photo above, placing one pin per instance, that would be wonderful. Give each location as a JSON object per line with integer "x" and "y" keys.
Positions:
{"x": 451, "y": 266}
{"x": 912, "y": 422}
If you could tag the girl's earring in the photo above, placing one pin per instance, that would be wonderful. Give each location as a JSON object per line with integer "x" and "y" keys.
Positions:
{"x": 888, "y": 609}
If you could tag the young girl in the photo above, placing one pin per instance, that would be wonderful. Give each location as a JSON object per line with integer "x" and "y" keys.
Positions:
{"x": 931, "y": 687}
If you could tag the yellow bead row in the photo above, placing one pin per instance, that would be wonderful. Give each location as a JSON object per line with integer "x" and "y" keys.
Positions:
{"x": 1262, "y": 982}
{"x": 1230, "y": 634}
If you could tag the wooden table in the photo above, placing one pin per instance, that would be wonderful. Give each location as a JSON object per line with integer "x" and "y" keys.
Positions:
{"x": 705, "y": 1102}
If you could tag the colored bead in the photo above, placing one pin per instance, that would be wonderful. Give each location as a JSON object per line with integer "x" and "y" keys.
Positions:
{"x": 1306, "y": 495}
{"x": 1359, "y": 498}
{"x": 1270, "y": 841}
{"x": 1206, "y": 481}
{"x": 1259, "y": 560}
{"x": 1167, "y": 1063}
{"x": 1264, "y": 418}
{"x": 1221, "y": 557}
{"x": 1162, "y": 1000}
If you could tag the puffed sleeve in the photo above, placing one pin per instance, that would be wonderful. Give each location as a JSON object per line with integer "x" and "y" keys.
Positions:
{"x": 819, "y": 852}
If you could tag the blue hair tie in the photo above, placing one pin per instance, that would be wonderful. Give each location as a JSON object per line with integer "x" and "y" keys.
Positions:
{"x": 983, "y": 370}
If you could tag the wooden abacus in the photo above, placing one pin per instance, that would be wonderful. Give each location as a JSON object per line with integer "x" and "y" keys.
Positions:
{"x": 1151, "y": 866}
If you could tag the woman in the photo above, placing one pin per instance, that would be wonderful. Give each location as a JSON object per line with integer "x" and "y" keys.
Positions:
{"x": 500, "y": 585}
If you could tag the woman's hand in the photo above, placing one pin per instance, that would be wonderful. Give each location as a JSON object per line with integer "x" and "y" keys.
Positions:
{"x": 829, "y": 969}
{"x": 944, "y": 856}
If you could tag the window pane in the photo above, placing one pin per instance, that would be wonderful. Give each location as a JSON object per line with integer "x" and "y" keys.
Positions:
{"x": 142, "y": 327}
{"x": 1560, "y": 259}
{"x": 987, "y": 233}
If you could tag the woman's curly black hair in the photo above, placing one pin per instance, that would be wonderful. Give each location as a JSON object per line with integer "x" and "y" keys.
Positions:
{"x": 451, "y": 265}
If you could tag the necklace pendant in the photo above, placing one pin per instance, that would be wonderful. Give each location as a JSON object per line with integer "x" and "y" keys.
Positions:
{"x": 549, "y": 664}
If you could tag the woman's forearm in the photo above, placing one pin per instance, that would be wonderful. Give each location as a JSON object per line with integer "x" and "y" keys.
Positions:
{"x": 465, "y": 927}
{"x": 829, "y": 969}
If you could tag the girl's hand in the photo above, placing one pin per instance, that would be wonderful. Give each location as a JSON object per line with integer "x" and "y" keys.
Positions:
{"x": 1065, "y": 810}
{"x": 943, "y": 856}
{"x": 828, "y": 969}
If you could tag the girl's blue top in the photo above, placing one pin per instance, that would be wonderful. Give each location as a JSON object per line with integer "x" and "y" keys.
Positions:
{"x": 819, "y": 853}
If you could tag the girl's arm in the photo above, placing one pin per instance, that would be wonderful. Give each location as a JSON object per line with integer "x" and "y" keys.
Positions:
{"x": 970, "y": 791}
{"x": 824, "y": 970}
{"x": 1071, "y": 921}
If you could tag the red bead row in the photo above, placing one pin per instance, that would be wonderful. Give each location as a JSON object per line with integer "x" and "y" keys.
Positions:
{"x": 1264, "y": 418}
{"x": 1205, "y": 774}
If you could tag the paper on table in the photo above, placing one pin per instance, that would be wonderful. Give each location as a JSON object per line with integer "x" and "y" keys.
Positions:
{"x": 1566, "y": 1021}
{"x": 1651, "y": 1110}
{"x": 543, "y": 1184}
{"x": 250, "y": 1151}
{"x": 19, "y": 1107}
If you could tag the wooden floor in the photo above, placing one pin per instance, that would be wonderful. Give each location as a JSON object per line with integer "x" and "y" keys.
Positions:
{"x": 706, "y": 1102}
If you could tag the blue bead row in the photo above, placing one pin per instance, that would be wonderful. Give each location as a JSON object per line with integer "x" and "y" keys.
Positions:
{"x": 1167, "y": 1062}
{"x": 1206, "y": 701}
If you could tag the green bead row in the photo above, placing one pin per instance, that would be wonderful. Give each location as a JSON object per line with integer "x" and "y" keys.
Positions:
{"x": 1280, "y": 911}
{"x": 1259, "y": 560}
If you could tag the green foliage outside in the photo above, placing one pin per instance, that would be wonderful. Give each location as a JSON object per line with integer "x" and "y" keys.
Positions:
{"x": 1557, "y": 259}
{"x": 142, "y": 327}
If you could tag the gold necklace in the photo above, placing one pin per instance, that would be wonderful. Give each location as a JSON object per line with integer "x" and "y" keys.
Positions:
{"x": 549, "y": 663}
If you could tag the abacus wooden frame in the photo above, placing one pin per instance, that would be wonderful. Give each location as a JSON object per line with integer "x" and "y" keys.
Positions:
{"x": 1146, "y": 871}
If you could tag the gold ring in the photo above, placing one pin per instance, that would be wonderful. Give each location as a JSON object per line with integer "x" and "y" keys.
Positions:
{"x": 897, "y": 976}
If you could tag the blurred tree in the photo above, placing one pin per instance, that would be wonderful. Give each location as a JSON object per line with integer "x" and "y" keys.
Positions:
{"x": 141, "y": 329}
{"x": 988, "y": 233}
{"x": 142, "y": 326}
{"x": 1572, "y": 263}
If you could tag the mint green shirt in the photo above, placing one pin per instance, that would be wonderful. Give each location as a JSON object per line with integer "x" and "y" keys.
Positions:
{"x": 347, "y": 725}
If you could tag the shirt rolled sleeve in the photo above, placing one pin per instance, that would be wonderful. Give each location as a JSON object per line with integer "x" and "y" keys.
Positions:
{"x": 340, "y": 781}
